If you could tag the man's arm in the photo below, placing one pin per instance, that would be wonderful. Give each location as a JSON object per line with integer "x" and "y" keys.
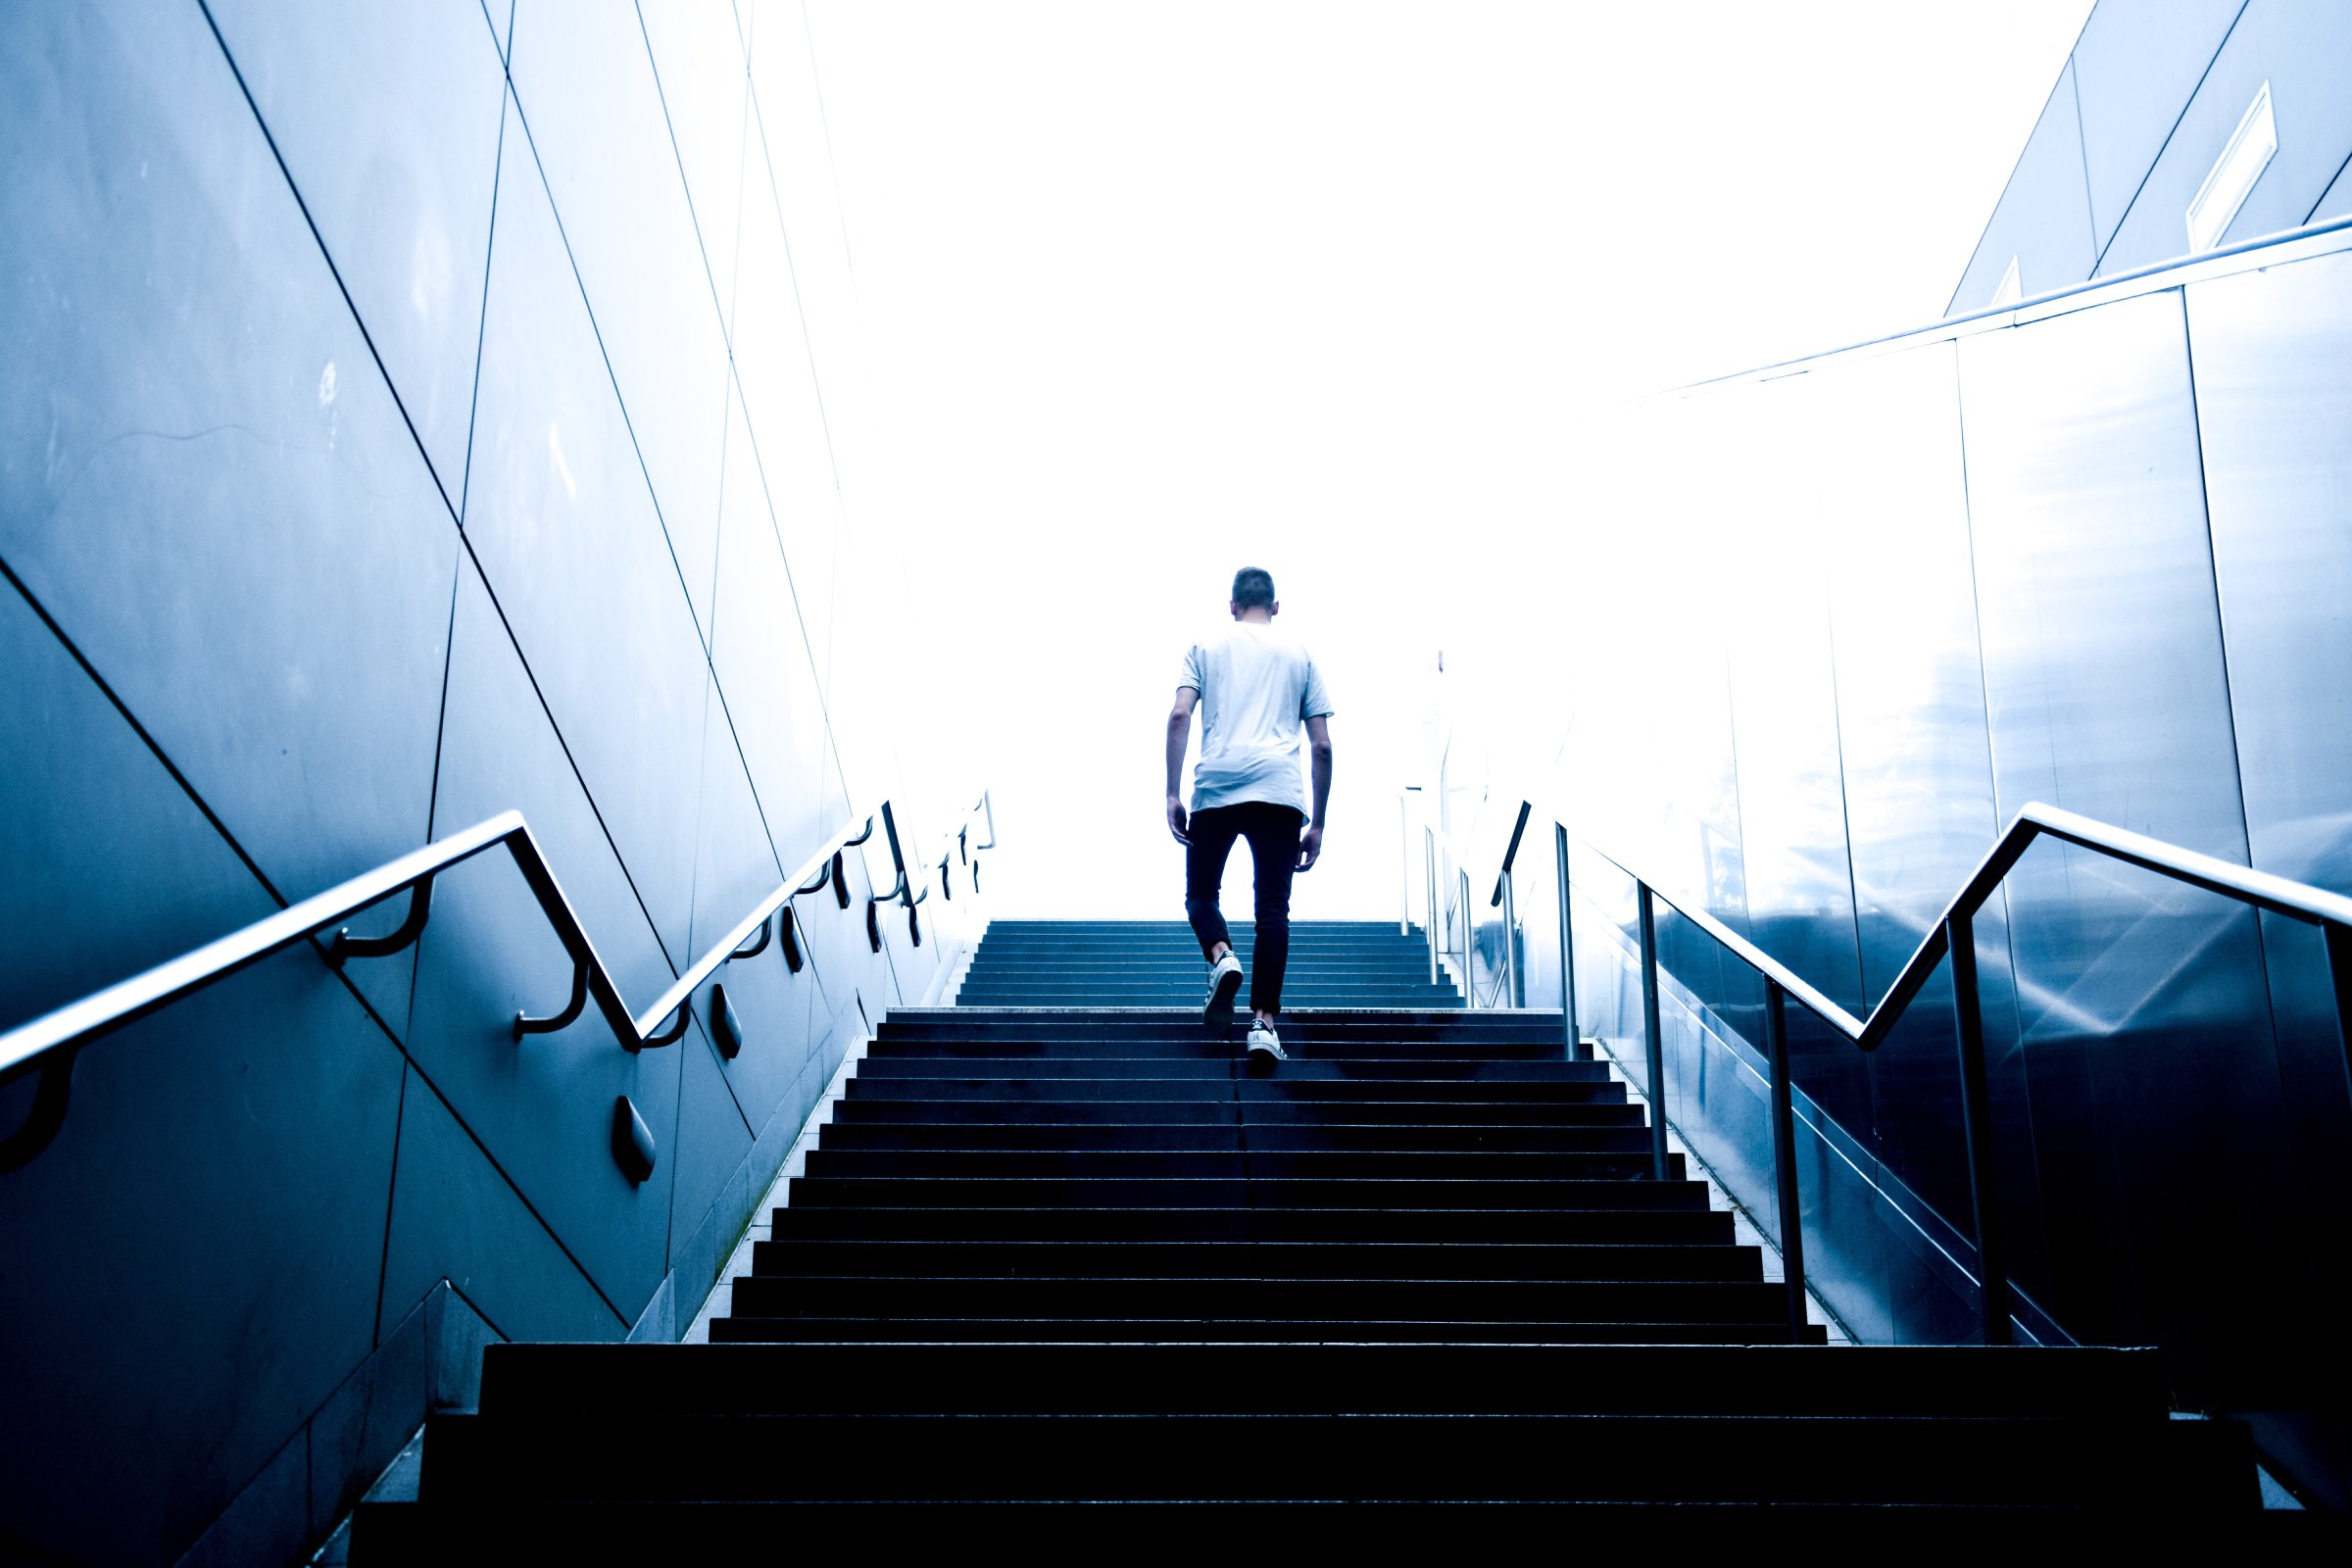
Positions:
{"x": 1318, "y": 740}
{"x": 1180, "y": 730}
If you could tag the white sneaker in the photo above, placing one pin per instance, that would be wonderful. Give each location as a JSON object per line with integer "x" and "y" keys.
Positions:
{"x": 1264, "y": 1042}
{"x": 1224, "y": 984}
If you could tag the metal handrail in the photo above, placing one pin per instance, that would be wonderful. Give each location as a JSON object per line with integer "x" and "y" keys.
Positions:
{"x": 816, "y": 871}
{"x": 2296, "y": 900}
{"x": 1436, "y": 841}
{"x": 1951, "y": 936}
{"x": 49, "y": 1044}
{"x": 903, "y": 890}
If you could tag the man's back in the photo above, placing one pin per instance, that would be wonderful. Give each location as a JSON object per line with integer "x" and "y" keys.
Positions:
{"x": 1257, "y": 687}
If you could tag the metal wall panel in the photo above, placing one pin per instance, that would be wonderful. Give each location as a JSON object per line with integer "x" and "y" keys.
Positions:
{"x": 789, "y": 127}
{"x": 711, "y": 1139}
{"x": 246, "y": 526}
{"x": 2336, "y": 201}
{"x": 387, "y": 119}
{"x": 232, "y": 1157}
{"x": 265, "y": 1108}
{"x": 2274, "y": 373}
{"x": 2145, "y": 1021}
{"x": 1686, "y": 835}
{"x": 705, "y": 86}
{"x": 760, "y": 654}
{"x": 2304, "y": 52}
{"x": 586, "y": 86}
{"x": 2135, "y": 64}
{"x": 560, "y": 519}
{"x": 737, "y": 869}
{"x": 777, "y": 377}
{"x": 1784, "y": 695}
{"x": 202, "y": 477}
{"x": 1892, "y": 499}
{"x": 2043, "y": 218}
{"x": 542, "y": 1106}
{"x": 97, "y": 828}
{"x": 455, "y": 1217}
{"x": 1792, "y": 839}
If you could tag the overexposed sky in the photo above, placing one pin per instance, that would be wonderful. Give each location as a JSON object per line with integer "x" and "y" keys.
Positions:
{"x": 1149, "y": 292}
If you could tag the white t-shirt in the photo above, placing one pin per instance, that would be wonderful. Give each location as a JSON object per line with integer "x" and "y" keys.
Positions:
{"x": 1257, "y": 687}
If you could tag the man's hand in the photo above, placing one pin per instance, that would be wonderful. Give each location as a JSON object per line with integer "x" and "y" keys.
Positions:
{"x": 1318, "y": 740}
{"x": 1180, "y": 726}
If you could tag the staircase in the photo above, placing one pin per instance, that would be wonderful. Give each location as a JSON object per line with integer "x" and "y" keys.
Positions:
{"x": 1046, "y": 1258}
{"x": 1156, "y": 963}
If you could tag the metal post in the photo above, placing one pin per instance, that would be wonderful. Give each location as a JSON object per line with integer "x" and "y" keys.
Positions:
{"x": 2339, "y": 969}
{"x": 1515, "y": 992}
{"x": 1783, "y": 1159}
{"x": 1429, "y": 882}
{"x": 1651, "y": 1038}
{"x": 1461, "y": 889}
{"x": 1559, "y": 857}
{"x": 1976, "y": 1116}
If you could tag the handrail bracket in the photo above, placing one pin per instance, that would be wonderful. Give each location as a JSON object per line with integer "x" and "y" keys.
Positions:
{"x": 526, "y": 1024}
{"x": 412, "y": 926}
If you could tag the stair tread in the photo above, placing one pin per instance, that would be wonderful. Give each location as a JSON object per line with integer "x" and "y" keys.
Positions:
{"x": 1424, "y": 1260}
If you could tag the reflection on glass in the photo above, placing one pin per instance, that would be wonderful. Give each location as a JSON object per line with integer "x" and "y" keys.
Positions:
{"x": 1859, "y": 615}
{"x": 2273, "y": 380}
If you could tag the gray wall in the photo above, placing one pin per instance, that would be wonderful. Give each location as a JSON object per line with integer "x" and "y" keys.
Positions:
{"x": 2141, "y": 112}
{"x": 413, "y": 411}
{"x": 2098, "y": 556}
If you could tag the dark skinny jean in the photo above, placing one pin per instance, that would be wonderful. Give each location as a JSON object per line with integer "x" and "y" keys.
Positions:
{"x": 1273, "y": 834}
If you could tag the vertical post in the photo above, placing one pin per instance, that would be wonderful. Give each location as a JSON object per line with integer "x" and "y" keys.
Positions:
{"x": 1651, "y": 1038}
{"x": 1783, "y": 1159}
{"x": 1515, "y": 992}
{"x": 1559, "y": 857}
{"x": 1976, "y": 1118}
{"x": 1429, "y": 882}
{"x": 1462, "y": 878}
{"x": 2339, "y": 971}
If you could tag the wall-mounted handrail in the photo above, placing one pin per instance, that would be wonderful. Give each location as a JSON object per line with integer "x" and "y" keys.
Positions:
{"x": 905, "y": 890}
{"x": 1951, "y": 936}
{"x": 818, "y": 866}
{"x": 48, "y": 1045}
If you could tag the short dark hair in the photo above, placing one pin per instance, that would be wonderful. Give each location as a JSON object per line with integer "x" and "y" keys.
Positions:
{"x": 1253, "y": 588}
